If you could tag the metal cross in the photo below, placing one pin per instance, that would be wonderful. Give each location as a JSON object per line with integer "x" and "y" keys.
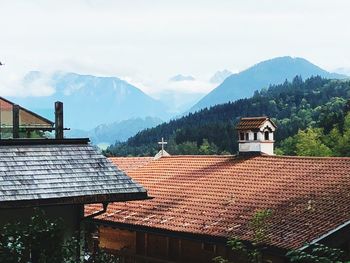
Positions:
{"x": 162, "y": 143}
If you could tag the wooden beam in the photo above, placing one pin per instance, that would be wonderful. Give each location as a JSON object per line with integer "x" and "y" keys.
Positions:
{"x": 146, "y": 244}
{"x": 180, "y": 250}
{"x": 59, "y": 120}
{"x": 15, "y": 121}
{"x": 167, "y": 247}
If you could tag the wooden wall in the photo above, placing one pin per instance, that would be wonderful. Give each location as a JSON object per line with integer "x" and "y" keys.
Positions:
{"x": 152, "y": 248}
{"x": 112, "y": 239}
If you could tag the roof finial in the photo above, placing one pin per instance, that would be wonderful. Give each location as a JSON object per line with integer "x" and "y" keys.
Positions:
{"x": 162, "y": 143}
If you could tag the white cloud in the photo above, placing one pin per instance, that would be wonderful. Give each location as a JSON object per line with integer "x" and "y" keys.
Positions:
{"x": 148, "y": 41}
{"x": 195, "y": 86}
{"x": 11, "y": 84}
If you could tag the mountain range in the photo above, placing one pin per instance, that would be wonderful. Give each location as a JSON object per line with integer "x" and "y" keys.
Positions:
{"x": 106, "y": 134}
{"x": 262, "y": 75}
{"x": 181, "y": 77}
{"x": 90, "y": 101}
{"x": 297, "y": 105}
{"x": 108, "y": 108}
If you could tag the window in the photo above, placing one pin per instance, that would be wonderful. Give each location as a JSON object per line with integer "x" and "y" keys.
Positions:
{"x": 267, "y": 136}
{"x": 247, "y": 136}
{"x": 241, "y": 136}
{"x": 255, "y": 136}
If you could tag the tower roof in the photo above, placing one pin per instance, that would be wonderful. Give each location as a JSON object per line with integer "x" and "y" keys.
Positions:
{"x": 250, "y": 123}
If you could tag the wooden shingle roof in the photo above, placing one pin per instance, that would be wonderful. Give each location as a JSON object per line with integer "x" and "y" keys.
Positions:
{"x": 61, "y": 174}
{"x": 219, "y": 195}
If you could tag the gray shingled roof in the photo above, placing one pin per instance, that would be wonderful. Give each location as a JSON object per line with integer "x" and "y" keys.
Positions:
{"x": 61, "y": 174}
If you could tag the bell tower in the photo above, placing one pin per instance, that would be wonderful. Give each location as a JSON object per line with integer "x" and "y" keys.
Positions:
{"x": 256, "y": 135}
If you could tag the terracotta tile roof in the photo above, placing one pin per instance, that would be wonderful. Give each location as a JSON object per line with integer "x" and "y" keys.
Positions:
{"x": 252, "y": 123}
{"x": 130, "y": 163}
{"x": 218, "y": 195}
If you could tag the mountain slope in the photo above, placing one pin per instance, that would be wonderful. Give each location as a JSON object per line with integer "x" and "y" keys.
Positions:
{"x": 117, "y": 131}
{"x": 295, "y": 105}
{"x": 220, "y": 76}
{"x": 261, "y": 75}
{"x": 90, "y": 101}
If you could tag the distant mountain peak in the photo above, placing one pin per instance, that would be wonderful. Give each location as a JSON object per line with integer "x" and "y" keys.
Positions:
{"x": 92, "y": 100}
{"x": 181, "y": 77}
{"x": 220, "y": 76}
{"x": 261, "y": 75}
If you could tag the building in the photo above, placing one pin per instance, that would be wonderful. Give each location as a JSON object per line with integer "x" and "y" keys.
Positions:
{"x": 200, "y": 201}
{"x": 255, "y": 135}
{"x": 58, "y": 175}
{"x": 19, "y": 122}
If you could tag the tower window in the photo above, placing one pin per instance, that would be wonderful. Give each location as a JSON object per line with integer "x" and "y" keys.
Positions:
{"x": 241, "y": 136}
{"x": 255, "y": 136}
{"x": 247, "y": 136}
{"x": 267, "y": 136}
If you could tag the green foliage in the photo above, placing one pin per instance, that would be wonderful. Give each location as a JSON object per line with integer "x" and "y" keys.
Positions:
{"x": 252, "y": 253}
{"x": 241, "y": 252}
{"x": 339, "y": 138}
{"x": 103, "y": 257}
{"x": 260, "y": 226}
{"x": 41, "y": 240}
{"x": 315, "y": 142}
{"x": 319, "y": 254}
{"x": 208, "y": 148}
{"x": 309, "y": 143}
{"x": 294, "y": 106}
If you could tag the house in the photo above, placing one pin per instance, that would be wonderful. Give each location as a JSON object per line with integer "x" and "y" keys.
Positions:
{"x": 58, "y": 175}
{"x": 19, "y": 122}
{"x": 201, "y": 201}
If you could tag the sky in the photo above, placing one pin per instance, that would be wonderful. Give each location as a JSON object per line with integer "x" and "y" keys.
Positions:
{"x": 148, "y": 42}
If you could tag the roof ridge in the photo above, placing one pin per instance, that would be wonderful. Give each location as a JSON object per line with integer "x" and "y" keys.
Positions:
{"x": 307, "y": 157}
{"x": 200, "y": 156}
{"x": 125, "y": 157}
{"x": 234, "y": 155}
{"x": 253, "y": 118}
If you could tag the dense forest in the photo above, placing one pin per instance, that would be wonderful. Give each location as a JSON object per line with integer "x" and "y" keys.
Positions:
{"x": 310, "y": 113}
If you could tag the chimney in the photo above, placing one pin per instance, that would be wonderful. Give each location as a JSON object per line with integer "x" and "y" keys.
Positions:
{"x": 256, "y": 135}
{"x": 58, "y": 120}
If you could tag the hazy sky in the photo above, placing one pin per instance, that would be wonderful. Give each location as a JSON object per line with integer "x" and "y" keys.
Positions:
{"x": 147, "y": 42}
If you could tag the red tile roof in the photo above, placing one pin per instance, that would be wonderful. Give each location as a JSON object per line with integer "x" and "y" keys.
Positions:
{"x": 5, "y": 105}
{"x": 129, "y": 164}
{"x": 218, "y": 195}
{"x": 252, "y": 123}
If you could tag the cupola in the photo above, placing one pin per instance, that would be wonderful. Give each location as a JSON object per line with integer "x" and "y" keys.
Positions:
{"x": 256, "y": 135}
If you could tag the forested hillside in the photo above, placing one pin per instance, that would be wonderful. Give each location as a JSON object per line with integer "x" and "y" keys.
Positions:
{"x": 273, "y": 71}
{"x": 297, "y": 105}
